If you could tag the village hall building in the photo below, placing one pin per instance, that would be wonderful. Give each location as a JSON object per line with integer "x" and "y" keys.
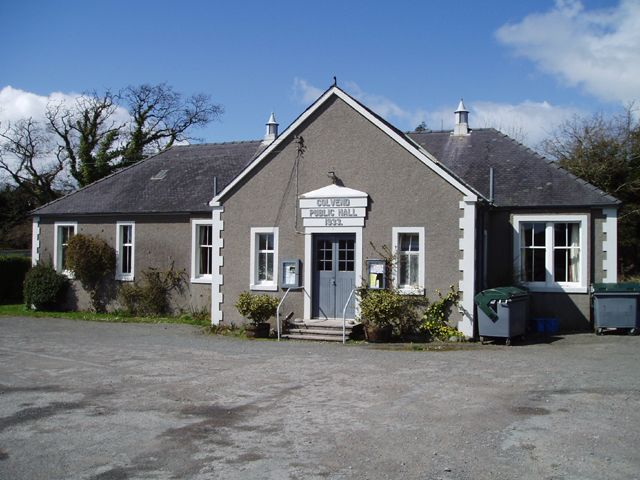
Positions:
{"x": 308, "y": 207}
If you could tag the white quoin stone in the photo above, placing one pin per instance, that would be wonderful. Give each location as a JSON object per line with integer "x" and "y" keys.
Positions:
{"x": 272, "y": 130}
{"x": 462, "y": 120}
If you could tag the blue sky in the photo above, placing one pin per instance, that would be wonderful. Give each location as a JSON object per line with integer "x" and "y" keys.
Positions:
{"x": 519, "y": 65}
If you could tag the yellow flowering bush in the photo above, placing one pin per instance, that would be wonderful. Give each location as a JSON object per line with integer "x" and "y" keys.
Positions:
{"x": 434, "y": 321}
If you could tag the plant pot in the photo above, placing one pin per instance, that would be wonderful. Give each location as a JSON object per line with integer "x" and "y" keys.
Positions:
{"x": 258, "y": 331}
{"x": 378, "y": 334}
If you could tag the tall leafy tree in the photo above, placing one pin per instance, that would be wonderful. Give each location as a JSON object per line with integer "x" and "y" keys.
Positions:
{"x": 605, "y": 151}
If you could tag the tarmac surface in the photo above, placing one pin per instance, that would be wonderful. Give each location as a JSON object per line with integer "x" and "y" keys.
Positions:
{"x": 86, "y": 400}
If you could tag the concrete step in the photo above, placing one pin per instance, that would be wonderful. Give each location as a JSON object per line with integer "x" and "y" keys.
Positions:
{"x": 315, "y": 338}
{"x": 319, "y": 330}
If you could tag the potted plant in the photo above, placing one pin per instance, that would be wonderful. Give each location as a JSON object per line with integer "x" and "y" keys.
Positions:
{"x": 258, "y": 309}
{"x": 380, "y": 310}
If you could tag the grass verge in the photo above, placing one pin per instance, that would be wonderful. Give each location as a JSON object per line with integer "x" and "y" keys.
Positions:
{"x": 9, "y": 310}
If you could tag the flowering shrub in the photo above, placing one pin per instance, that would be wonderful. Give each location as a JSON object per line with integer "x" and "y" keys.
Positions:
{"x": 434, "y": 322}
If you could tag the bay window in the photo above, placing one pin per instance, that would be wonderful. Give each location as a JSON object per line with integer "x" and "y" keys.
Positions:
{"x": 551, "y": 251}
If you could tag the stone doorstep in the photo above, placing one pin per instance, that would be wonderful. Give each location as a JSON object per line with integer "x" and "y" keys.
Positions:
{"x": 325, "y": 323}
{"x": 326, "y": 330}
{"x": 317, "y": 331}
{"x": 315, "y": 338}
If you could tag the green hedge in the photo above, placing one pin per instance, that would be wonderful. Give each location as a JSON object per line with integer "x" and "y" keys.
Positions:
{"x": 13, "y": 269}
{"x": 44, "y": 288}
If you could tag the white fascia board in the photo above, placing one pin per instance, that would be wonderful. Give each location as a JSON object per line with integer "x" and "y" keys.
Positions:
{"x": 421, "y": 154}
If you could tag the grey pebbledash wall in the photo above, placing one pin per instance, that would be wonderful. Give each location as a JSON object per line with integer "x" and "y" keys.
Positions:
{"x": 160, "y": 242}
{"x": 403, "y": 192}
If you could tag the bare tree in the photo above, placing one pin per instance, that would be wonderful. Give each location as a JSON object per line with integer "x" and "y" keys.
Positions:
{"x": 88, "y": 132}
{"x": 160, "y": 117}
{"x": 31, "y": 159}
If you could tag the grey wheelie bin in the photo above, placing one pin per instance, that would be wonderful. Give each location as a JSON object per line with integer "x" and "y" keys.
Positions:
{"x": 502, "y": 312}
{"x": 615, "y": 305}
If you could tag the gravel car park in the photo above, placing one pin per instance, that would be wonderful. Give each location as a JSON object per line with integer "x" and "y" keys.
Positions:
{"x": 92, "y": 400}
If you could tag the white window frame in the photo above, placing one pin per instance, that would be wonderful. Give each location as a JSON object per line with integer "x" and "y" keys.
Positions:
{"x": 197, "y": 277}
{"x": 254, "y": 283}
{"x": 125, "y": 277}
{"x": 397, "y": 231}
{"x": 550, "y": 285}
{"x": 57, "y": 251}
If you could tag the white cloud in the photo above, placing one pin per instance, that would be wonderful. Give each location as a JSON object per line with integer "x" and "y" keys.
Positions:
{"x": 304, "y": 93}
{"x": 16, "y": 104}
{"x": 597, "y": 50}
{"x": 386, "y": 108}
{"x": 529, "y": 122}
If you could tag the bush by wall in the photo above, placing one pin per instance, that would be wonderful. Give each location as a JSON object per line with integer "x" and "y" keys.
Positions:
{"x": 151, "y": 296}
{"x": 13, "y": 269}
{"x": 91, "y": 259}
{"x": 44, "y": 288}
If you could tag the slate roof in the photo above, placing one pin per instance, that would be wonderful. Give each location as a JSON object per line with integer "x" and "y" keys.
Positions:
{"x": 186, "y": 187}
{"x": 522, "y": 178}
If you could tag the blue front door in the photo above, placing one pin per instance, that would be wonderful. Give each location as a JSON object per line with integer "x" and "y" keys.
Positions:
{"x": 333, "y": 274}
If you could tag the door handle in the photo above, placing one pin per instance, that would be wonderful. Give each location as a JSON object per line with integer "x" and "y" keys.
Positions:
{"x": 333, "y": 282}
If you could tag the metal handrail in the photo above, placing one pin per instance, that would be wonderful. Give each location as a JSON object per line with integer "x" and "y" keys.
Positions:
{"x": 344, "y": 315}
{"x": 278, "y": 311}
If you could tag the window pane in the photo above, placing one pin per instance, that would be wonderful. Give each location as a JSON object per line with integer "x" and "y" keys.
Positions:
{"x": 533, "y": 265}
{"x": 325, "y": 255}
{"x": 65, "y": 233}
{"x": 533, "y": 234}
{"x": 409, "y": 242}
{"x": 266, "y": 241}
{"x": 413, "y": 277}
{"x": 205, "y": 261}
{"x": 560, "y": 264}
{"x": 205, "y": 234}
{"x": 126, "y": 234}
{"x": 126, "y": 259}
{"x": 560, "y": 235}
{"x": 265, "y": 266}
{"x": 566, "y": 256}
{"x": 346, "y": 255}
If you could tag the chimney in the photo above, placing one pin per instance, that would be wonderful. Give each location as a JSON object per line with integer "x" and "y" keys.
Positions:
{"x": 461, "y": 127}
{"x": 272, "y": 131}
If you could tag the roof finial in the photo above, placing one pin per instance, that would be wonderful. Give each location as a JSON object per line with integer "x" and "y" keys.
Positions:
{"x": 272, "y": 130}
{"x": 462, "y": 120}
{"x": 335, "y": 82}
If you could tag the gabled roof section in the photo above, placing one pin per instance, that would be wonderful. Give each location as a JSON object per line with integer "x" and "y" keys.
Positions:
{"x": 522, "y": 178}
{"x": 179, "y": 180}
{"x": 382, "y": 124}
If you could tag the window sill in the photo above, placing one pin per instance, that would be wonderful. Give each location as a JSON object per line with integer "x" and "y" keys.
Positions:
{"x": 124, "y": 278}
{"x": 202, "y": 279}
{"x": 265, "y": 287}
{"x": 411, "y": 290}
{"x": 556, "y": 288}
